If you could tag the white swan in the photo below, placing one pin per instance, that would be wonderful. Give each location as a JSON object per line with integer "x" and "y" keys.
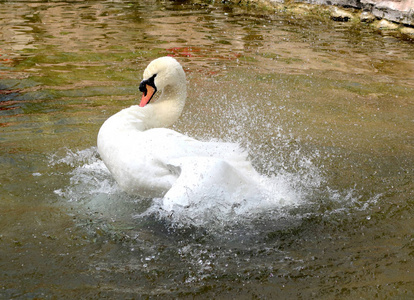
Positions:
{"x": 149, "y": 160}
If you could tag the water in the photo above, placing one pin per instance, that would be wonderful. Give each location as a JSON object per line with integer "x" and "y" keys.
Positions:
{"x": 324, "y": 109}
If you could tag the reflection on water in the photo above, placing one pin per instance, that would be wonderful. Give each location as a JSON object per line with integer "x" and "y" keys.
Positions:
{"x": 325, "y": 110}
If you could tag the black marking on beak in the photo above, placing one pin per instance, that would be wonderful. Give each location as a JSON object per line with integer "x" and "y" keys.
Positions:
{"x": 144, "y": 83}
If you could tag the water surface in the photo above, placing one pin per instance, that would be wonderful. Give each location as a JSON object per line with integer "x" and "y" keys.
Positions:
{"x": 324, "y": 109}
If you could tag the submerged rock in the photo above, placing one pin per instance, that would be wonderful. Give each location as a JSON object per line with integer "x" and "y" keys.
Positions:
{"x": 340, "y": 15}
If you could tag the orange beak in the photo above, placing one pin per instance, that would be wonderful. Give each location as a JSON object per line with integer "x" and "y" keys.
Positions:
{"x": 147, "y": 95}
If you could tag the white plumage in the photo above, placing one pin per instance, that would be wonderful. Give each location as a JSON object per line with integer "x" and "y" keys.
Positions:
{"x": 149, "y": 160}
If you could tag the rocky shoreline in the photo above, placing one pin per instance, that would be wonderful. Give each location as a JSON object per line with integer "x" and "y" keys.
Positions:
{"x": 392, "y": 16}
{"x": 399, "y": 11}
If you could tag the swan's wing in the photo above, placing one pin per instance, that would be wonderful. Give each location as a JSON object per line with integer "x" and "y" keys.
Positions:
{"x": 209, "y": 180}
{"x": 172, "y": 145}
{"x": 203, "y": 170}
{"x": 152, "y": 162}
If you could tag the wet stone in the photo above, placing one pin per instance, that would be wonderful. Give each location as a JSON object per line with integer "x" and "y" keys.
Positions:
{"x": 386, "y": 25}
{"x": 367, "y": 17}
{"x": 409, "y": 31}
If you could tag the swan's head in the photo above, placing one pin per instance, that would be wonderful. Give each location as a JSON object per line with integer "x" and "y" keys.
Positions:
{"x": 160, "y": 74}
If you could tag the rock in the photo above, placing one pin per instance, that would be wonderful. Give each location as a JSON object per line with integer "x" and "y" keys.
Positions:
{"x": 386, "y": 25}
{"x": 400, "y": 11}
{"x": 340, "y": 15}
{"x": 367, "y": 17}
{"x": 409, "y": 31}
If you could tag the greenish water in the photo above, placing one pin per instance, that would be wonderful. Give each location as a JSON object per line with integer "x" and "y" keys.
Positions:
{"x": 324, "y": 109}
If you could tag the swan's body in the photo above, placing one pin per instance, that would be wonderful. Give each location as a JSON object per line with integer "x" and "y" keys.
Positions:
{"x": 149, "y": 160}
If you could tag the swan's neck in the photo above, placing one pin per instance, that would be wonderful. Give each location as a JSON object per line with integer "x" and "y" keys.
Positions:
{"x": 163, "y": 112}
{"x": 166, "y": 110}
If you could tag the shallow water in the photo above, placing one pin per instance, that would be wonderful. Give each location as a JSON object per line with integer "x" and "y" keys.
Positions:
{"x": 324, "y": 109}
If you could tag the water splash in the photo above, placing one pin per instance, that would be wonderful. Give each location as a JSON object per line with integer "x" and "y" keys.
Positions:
{"x": 292, "y": 176}
{"x": 92, "y": 186}
{"x": 89, "y": 176}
